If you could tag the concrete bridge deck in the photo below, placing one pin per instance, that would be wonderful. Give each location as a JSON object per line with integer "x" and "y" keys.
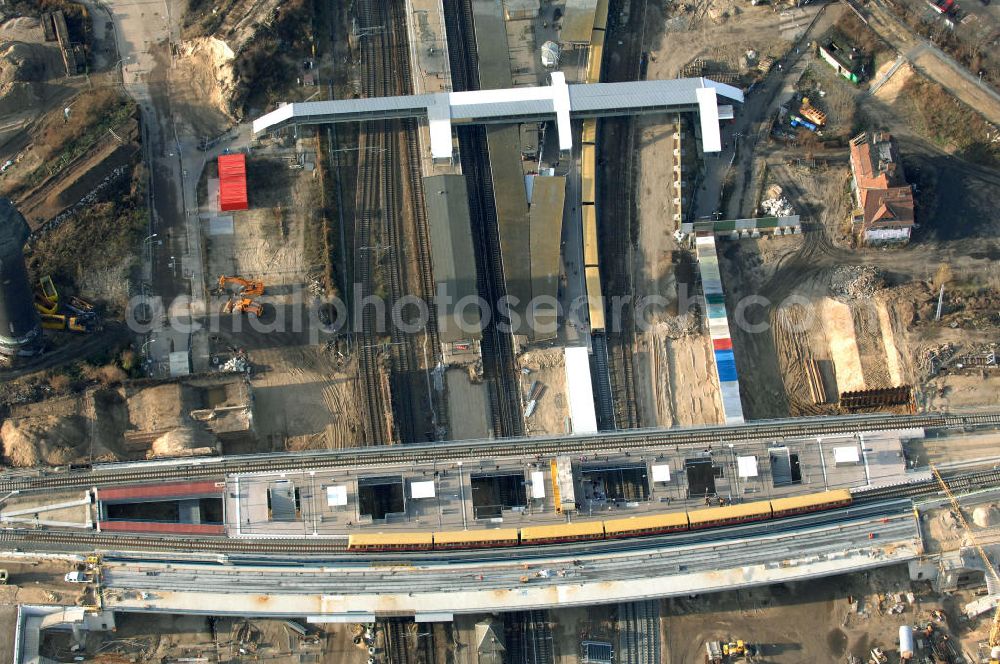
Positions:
{"x": 346, "y": 591}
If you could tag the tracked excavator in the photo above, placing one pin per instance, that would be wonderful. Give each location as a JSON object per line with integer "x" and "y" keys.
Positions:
{"x": 244, "y": 287}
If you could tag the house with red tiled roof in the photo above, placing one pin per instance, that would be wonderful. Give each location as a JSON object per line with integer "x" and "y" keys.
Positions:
{"x": 883, "y": 199}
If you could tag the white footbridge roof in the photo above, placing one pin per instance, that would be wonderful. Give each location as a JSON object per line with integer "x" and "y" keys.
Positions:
{"x": 523, "y": 104}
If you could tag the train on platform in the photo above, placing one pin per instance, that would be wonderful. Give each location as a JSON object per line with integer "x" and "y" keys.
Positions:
{"x": 582, "y": 531}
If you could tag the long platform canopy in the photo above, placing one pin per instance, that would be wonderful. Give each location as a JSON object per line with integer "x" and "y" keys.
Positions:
{"x": 523, "y": 104}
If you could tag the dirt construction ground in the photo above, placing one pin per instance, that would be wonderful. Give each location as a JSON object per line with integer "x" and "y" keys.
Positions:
{"x": 306, "y": 390}
{"x": 801, "y": 622}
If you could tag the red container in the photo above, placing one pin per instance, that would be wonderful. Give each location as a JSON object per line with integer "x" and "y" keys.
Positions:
{"x": 139, "y": 492}
{"x": 161, "y": 527}
{"x": 233, "y": 182}
{"x": 722, "y": 344}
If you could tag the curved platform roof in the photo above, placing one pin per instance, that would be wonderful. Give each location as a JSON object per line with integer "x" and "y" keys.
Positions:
{"x": 564, "y": 102}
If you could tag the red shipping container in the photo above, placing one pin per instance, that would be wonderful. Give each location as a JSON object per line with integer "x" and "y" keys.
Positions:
{"x": 162, "y": 527}
{"x": 233, "y": 182}
{"x": 722, "y": 344}
{"x": 160, "y": 491}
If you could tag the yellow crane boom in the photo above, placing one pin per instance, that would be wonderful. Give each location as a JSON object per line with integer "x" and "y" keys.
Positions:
{"x": 994, "y": 639}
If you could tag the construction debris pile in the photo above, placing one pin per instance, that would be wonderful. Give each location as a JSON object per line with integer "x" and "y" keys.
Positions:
{"x": 777, "y": 207}
{"x": 852, "y": 282}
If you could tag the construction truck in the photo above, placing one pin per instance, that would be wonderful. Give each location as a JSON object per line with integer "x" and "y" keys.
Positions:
{"x": 79, "y": 324}
{"x": 244, "y": 287}
{"x": 727, "y": 652}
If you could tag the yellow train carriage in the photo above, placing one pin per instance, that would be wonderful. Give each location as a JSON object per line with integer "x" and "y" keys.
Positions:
{"x": 595, "y": 298}
{"x": 601, "y": 15}
{"x": 712, "y": 517}
{"x": 589, "y": 134}
{"x": 811, "y": 502}
{"x": 564, "y": 532}
{"x": 590, "y": 251}
{"x": 655, "y": 524}
{"x": 475, "y": 539}
{"x": 402, "y": 541}
{"x": 595, "y": 55}
{"x": 588, "y": 173}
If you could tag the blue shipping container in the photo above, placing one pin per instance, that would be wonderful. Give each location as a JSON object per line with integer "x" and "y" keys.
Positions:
{"x": 725, "y": 355}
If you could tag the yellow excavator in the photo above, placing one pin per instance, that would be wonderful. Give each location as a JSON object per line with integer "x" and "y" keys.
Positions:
{"x": 73, "y": 315}
{"x": 994, "y": 639}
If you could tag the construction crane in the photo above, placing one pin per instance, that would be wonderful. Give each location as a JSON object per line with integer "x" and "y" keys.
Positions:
{"x": 247, "y": 287}
{"x": 994, "y": 639}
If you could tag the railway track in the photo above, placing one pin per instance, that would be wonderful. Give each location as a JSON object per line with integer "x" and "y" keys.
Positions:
{"x": 528, "y": 637}
{"x": 389, "y": 189}
{"x": 397, "y": 649}
{"x": 639, "y": 633}
{"x": 370, "y": 208}
{"x": 602, "y": 383}
{"x": 218, "y": 467}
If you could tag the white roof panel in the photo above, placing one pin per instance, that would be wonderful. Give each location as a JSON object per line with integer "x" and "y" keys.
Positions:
{"x": 661, "y": 473}
{"x": 537, "y": 484}
{"x": 580, "y": 389}
{"x": 336, "y": 496}
{"x": 423, "y": 489}
{"x": 560, "y": 99}
{"x": 708, "y": 112}
{"x": 846, "y": 454}
{"x": 747, "y": 466}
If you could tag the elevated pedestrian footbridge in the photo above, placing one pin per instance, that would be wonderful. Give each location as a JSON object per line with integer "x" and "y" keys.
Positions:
{"x": 557, "y": 101}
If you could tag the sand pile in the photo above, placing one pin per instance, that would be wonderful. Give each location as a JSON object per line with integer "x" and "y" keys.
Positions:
{"x": 984, "y": 516}
{"x": 20, "y": 70}
{"x": 207, "y": 69}
{"x": 184, "y": 441}
{"x": 50, "y": 440}
{"x": 19, "y": 62}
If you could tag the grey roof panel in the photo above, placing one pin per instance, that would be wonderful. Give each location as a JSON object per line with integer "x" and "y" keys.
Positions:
{"x": 453, "y": 259}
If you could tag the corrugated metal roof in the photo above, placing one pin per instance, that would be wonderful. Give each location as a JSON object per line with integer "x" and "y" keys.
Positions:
{"x": 233, "y": 182}
{"x": 452, "y": 255}
{"x": 545, "y": 218}
{"x": 500, "y": 101}
{"x": 578, "y": 21}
